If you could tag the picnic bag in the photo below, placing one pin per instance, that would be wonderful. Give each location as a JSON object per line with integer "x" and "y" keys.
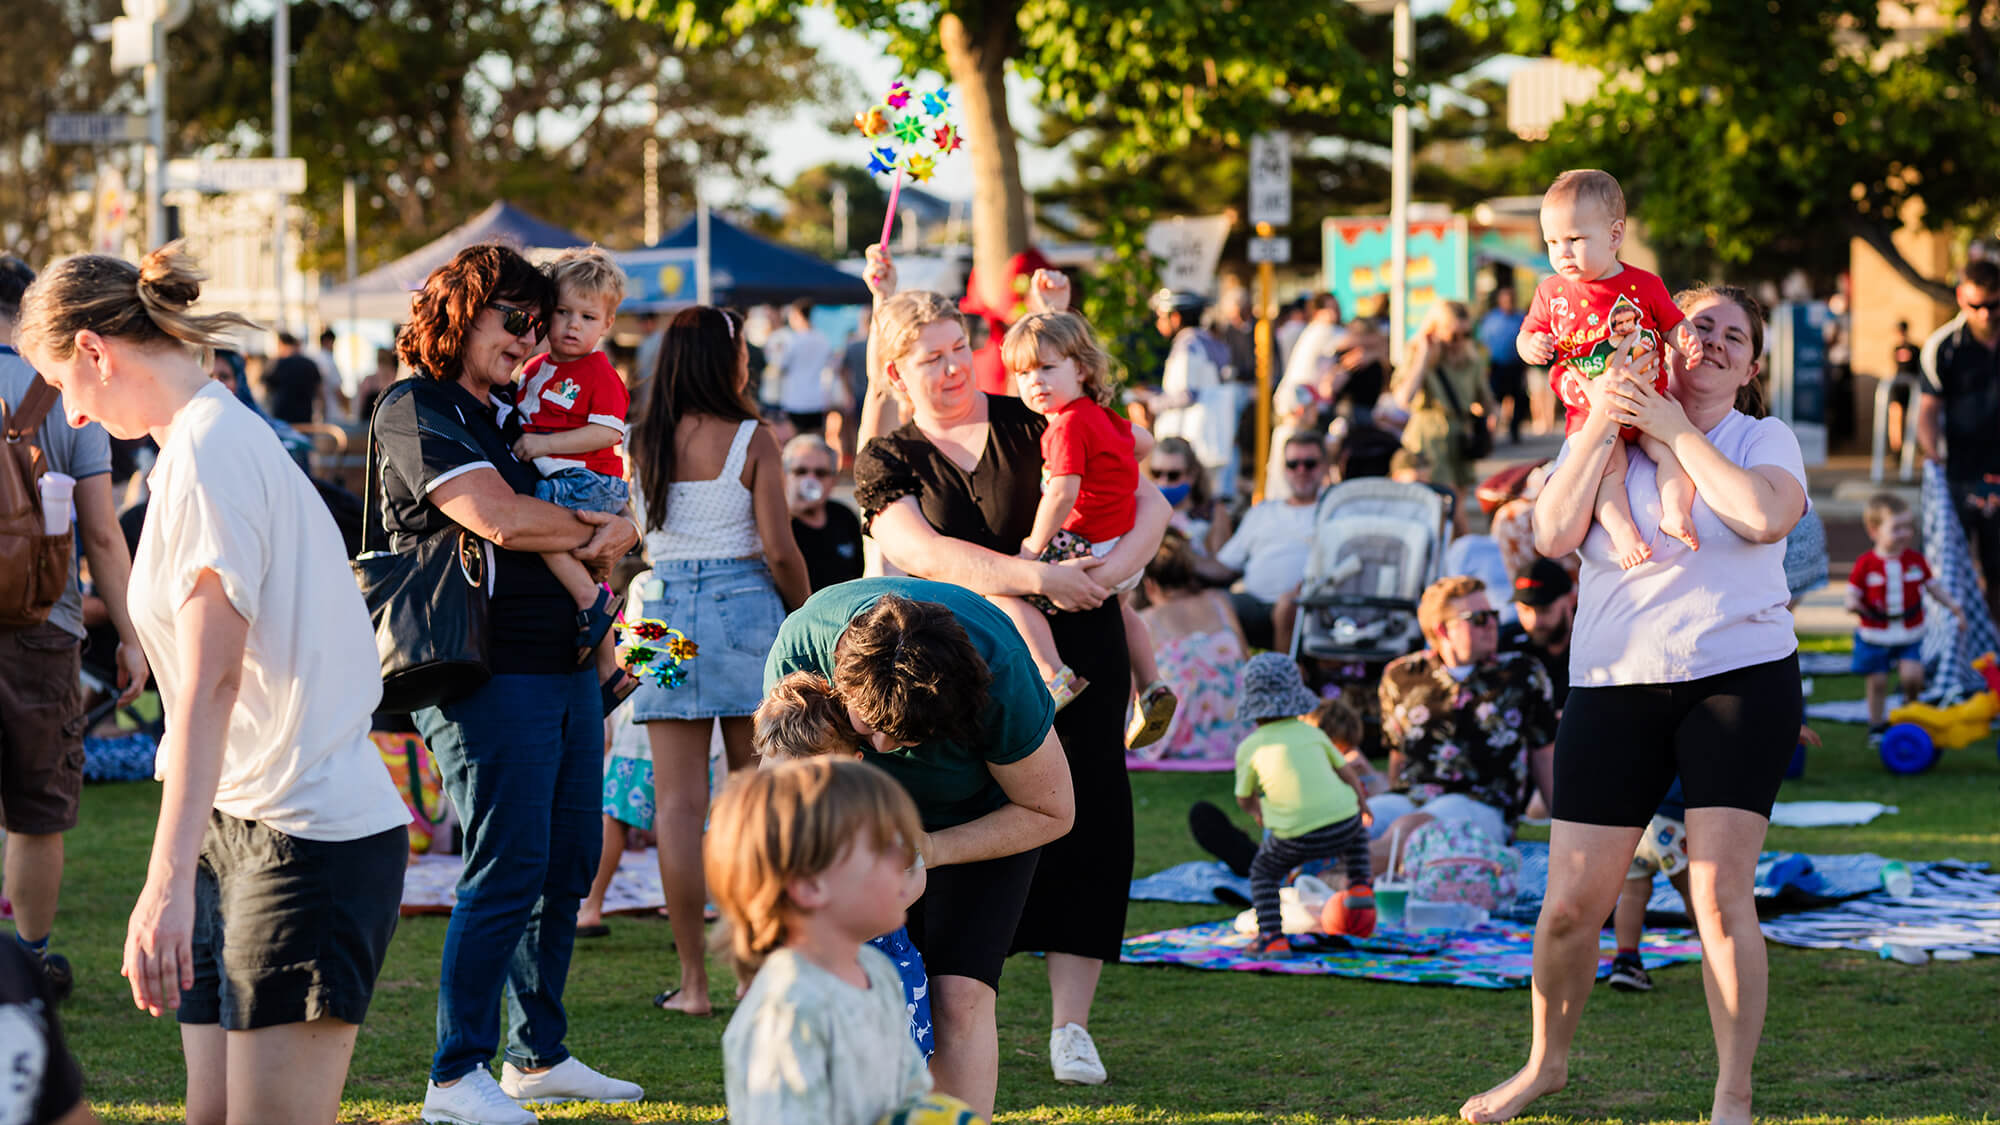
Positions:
{"x": 1456, "y": 861}
{"x": 34, "y": 566}
{"x": 415, "y": 773}
{"x": 428, "y": 605}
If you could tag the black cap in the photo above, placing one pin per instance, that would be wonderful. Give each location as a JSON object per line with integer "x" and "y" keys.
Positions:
{"x": 1542, "y": 583}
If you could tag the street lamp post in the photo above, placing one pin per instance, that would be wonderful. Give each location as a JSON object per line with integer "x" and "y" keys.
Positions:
{"x": 1402, "y": 53}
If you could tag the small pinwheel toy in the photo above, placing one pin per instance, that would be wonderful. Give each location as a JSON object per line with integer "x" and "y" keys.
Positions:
{"x": 907, "y": 132}
{"x": 653, "y": 650}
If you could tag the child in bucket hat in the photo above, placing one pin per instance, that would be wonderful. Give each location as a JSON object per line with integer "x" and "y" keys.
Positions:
{"x": 1294, "y": 782}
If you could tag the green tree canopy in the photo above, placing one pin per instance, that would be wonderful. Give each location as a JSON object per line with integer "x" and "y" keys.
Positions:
{"x": 441, "y": 106}
{"x": 48, "y": 64}
{"x": 1765, "y": 135}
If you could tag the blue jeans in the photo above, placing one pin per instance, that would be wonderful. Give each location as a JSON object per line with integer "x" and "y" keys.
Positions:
{"x": 521, "y": 759}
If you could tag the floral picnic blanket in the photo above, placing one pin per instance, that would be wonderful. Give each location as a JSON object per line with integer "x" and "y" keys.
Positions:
{"x": 1495, "y": 955}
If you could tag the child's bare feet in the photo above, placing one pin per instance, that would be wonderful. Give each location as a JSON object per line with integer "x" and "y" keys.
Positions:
{"x": 1632, "y": 552}
{"x": 1509, "y": 1098}
{"x": 1681, "y": 527}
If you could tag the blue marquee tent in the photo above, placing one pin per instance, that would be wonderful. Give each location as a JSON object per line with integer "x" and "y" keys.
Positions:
{"x": 743, "y": 270}
{"x": 384, "y": 293}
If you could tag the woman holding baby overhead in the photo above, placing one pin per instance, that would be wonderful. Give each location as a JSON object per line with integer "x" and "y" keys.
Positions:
{"x": 1684, "y": 664}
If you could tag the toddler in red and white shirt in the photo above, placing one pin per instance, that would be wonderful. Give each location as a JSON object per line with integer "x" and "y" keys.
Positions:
{"x": 1886, "y": 591}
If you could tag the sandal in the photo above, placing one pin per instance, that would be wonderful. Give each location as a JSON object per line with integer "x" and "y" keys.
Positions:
{"x": 593, "y": 930}
{"x": 1154, "y": 715}
{"x": 594, "y": 623}
{"x": 1066, "y": 686}
{"x": 613, "y": 691}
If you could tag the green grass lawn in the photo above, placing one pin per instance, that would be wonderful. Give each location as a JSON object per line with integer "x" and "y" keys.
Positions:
{"x": 1849, "y": 1036}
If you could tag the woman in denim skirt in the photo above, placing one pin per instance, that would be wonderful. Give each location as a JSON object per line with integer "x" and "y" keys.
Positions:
{"x": 711, "y": 492}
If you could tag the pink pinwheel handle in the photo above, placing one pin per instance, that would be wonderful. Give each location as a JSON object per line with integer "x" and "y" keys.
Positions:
{"x": 889, "y": 219}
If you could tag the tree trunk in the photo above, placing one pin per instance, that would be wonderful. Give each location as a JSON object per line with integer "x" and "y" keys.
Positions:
{"x": 977, "y": 57}
{"x": 1881, "y": 239}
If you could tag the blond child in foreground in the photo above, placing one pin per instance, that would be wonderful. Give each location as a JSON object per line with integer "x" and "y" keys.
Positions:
{"x": 807, "y": 860}
{"x": 1595, "y": 310}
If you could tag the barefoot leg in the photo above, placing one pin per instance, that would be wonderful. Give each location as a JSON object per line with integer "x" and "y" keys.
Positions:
{"x": 1614, "y": 513}
{"x": 1722, "y": 871}
{"x": 1033, "y": 625}
{"x": 1676, "y": 493}
{"x": 1587, "y": 864}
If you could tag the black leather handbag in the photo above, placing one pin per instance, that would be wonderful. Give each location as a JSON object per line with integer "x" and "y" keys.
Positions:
{"x": 429, "y": 607}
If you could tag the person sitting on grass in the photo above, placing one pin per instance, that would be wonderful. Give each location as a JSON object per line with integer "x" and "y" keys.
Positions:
{"x": 807, "y": 860}
{"x": 1664, "y": 849}
{"x": 1886, "y": 591}
{"x": 1294, "y": 781}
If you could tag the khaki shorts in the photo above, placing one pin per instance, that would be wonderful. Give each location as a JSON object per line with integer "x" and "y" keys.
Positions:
{"x": 41, "y": 729}
{"x": 1663, "y": 848}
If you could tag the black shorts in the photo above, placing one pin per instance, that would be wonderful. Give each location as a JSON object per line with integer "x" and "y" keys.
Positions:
{"x": 964, "y": 925}
{"x": 288, "y": 930}
{"x": 1728, "y": 736}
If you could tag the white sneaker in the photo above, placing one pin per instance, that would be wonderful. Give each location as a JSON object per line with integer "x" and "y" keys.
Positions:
{"x": 473, "y": 1100}
{"x": 1073, "y": 1057}
{"x": 567, "y": 1081}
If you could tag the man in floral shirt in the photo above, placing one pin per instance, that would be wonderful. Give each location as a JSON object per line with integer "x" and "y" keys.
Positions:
{"x": 1468, "y": 728}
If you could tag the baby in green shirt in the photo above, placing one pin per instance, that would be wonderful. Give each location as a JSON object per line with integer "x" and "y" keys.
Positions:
{"x": 1293, "y": 779}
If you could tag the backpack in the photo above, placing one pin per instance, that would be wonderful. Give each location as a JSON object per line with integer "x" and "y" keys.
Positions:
{"x": 34, "y": 566}
{"x": 1456, "y": 861}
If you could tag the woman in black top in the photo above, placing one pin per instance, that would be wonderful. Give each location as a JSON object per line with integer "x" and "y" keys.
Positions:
{"x": 949, "y": 496}
{"x": 521, "y": 756}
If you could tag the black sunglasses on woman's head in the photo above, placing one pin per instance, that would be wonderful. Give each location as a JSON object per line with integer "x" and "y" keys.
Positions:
{"x": 517, "y": 321}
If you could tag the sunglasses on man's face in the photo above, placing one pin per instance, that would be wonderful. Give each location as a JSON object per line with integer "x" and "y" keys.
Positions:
{"x": 519, "y": 322}
{"x": 1988, "y": 307}
{"x": 1479, "y": 617}
{"x": 1296, "y": 466}
{"x": 823, "y": 474}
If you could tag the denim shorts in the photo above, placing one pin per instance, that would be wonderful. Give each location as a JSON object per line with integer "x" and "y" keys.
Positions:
{"x": 730, "y": 609}
{"x": 581, "y": 490}
{"x": 288, "y": 930}
{"x": 1873, "y": 659}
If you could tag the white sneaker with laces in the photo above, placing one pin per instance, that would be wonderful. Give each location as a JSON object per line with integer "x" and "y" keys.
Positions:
{"x": 1073, "y": 1057}
{"x": 567, "y": 1081}
{"x": 473, "y": 1100}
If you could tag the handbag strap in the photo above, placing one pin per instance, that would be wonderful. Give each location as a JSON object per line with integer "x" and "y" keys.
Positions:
{"x": 371, "y": 504}
{"x": 1450, "y": 393}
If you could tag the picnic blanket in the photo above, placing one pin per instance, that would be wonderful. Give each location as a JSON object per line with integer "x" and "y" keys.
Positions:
{"x": 126, "y": 757}
{"x": 1788, "y": 880}
{"x": 430, "y": 884}
{"x": 1951, "y": 913}
{"x": 1815, "y": 662}
{"x": 1849, "y": 710}
{"x": 1826, "y": 814}
{"x": 1495, "y": 955}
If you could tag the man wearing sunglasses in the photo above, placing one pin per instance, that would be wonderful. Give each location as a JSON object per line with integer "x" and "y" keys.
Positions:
{"x": 1470, "y": 729}
{"x": 1961, "y": 366}
{"x": 1269, "y": 551}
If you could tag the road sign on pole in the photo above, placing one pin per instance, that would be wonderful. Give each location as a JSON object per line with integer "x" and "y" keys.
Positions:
{"x": 1276, "y": 249}
{"x": 287, "y": 177}
{"x": 1271, "y": 179}
{"x": 95, "y": 128}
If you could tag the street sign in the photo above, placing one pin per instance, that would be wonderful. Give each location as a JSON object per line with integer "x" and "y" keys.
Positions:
{"x": 1277, "y": 250}
{"x": 95, "y": 128}
{"x": 229, "y": 176}
{"x": 1188, "y": 248}
{"x": 1271, "y": 179}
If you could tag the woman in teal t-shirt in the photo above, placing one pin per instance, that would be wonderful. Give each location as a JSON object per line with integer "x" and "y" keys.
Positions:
{"x": 944, "y": 697}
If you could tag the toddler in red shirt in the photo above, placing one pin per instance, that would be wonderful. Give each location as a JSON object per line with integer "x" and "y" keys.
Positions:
{"x": 1090, "y": 477}
{"x": 573, "y": 407}
{"x": 1885, "y": 590}
{"x": 1594, "y": 306}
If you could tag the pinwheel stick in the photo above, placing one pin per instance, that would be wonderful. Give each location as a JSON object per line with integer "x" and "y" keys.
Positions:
{"x": 889, "y": 220}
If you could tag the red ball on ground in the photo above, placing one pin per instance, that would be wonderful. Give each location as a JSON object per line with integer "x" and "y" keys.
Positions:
{"x": 1350, "y": 913}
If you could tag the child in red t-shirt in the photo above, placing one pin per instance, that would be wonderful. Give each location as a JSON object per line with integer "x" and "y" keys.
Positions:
{"x": 1090, "y": 476}
{"x": 1581, "y": 317}
{"x": 1886, "y": 591}
{"x": 573, "y": 406}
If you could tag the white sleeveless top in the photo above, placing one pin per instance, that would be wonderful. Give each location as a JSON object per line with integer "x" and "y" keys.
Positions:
{"x": 710, "y": 519}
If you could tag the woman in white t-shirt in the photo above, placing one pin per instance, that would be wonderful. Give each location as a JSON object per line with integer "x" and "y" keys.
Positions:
{"x": 279, "y": 826}
{"x": 1685, "y": 665}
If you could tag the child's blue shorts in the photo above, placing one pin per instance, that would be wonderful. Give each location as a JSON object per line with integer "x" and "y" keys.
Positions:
{"x": 1870, "y": 659}
{"x": 916, "y": 986}
{"x": 581, "y": 490}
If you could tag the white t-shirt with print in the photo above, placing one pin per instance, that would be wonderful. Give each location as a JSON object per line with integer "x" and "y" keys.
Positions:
{"x": 226, "y": 498}
{"x": 1271, "y": 548}
{"x": 1685, "y": 614}
{"x": 807, "y": 1048}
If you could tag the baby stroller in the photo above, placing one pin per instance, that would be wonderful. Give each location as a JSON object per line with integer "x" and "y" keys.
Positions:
{"x": 1379, "y": 543}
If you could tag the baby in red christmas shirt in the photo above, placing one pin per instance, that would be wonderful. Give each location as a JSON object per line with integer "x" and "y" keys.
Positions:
{"x": 1593, "y": 307}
